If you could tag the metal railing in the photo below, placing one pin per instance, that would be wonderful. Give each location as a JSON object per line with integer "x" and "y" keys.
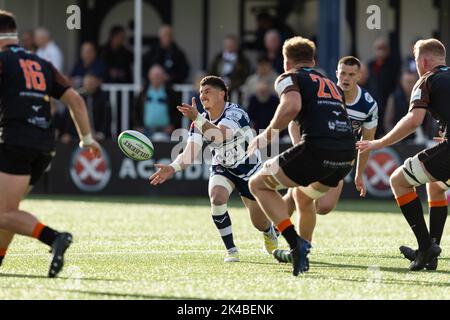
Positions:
{"x": 123, "y": 92}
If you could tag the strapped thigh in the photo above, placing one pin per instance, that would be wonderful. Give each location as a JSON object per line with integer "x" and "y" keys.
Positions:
{"x": 444, "y": 185}
{"x": 414, "y": 172}
{"x": 268, "y": 172}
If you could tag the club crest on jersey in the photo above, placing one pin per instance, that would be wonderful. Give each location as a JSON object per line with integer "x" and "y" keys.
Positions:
{"x": 368, "y": 97}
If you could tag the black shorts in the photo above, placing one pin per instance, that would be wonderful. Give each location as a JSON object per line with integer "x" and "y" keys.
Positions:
{"x": 24, "y": 161}
{"x": 437, "y": 161}
{"x": 240, "y": 184}
{"x": 305, "y": 164}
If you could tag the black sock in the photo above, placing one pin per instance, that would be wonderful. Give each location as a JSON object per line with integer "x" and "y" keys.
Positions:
{"x": 413, "y": 213}
{"x": 438, "y": 216}
{"x": 48, "y": 236}
{"x": 223, "y": 224}
{"x": 291, "y": 236}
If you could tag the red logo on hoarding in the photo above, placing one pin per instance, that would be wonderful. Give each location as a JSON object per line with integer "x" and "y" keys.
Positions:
{"x": 89, "y": 173}
{"x": 379, "y": 169}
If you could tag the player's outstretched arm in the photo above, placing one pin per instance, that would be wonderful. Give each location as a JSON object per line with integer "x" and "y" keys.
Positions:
{"x": 407, "y": 125}
{"x": 183, "y": 160}
{"x": 78, "y": 112}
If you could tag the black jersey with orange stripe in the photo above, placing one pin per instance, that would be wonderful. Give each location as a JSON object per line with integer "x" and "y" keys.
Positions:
{"x": 27, "y": 83}
{"x": 323, "y": 118}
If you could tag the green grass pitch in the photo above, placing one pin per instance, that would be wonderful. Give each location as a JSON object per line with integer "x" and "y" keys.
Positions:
{"x": 136, "y": 248}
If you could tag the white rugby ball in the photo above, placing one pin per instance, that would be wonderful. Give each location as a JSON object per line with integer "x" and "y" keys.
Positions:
{"x": 135, "y": 145}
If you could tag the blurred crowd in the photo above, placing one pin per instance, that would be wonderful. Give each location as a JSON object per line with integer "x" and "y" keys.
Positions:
{"x": 250, "y": 80}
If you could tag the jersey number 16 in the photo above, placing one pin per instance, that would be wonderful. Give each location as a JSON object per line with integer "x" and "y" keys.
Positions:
{"x": 33, "y": 76}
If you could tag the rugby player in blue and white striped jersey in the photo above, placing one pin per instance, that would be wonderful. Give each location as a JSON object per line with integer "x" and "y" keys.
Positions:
{"x": 225, "y": 128}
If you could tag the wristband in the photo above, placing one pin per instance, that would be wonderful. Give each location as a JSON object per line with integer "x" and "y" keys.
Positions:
{"x": 175, "y": 166}
{"x": 86, "y": 140}
{"x": 200, "y": 121}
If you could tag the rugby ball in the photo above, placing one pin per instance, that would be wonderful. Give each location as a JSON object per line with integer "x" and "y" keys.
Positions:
{"x": 135, "y": 145}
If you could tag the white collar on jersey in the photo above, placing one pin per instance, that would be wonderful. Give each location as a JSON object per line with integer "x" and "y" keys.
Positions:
{"x": 227, "y": 104}
{"x": 358, "y": 96}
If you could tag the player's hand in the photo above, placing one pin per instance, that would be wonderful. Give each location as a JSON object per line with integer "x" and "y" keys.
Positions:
{"x": 164, "y": 172}
{"x": 368, "y": 145}
{"x": 259, "y": 142}
{"x": 360, "y": 186}
{"x": 189, "y": 111}
{"x": 93, "y": 148}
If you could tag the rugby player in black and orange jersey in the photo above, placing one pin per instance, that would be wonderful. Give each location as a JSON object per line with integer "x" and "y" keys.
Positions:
{"x": 27, "y": 137}
{"x": 431, "y": 166}
{"x": 325, "y": 155}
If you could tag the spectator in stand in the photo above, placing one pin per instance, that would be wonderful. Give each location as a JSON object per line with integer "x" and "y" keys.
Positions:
{"x": 117, "y": 57}
{"x": 272, "y": 45}
{"x": 169, "y": 55}
{"x": 47, "y": 48}
{"x": 264, "y": 22}
{"x": 262, "y": 106}
{"x": 362, "y": 82}
{"x": 27, "y": 41}
{"x": 88, "y": 62}
{"x": 264, "y": 73}
{"x": 384, "y": 71}
{"x": 156, "y": 111}
{"x": 98, "y": 108}
{"x": 398, "y": 102}
{"x": 231, "y": 64}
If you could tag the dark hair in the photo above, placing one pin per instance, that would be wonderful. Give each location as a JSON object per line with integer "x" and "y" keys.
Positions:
{"x": 7, "y": 22}
{"x": 350, "y": 61}
{"x": 215, "y": 82}
{"x": 115, "y": 30}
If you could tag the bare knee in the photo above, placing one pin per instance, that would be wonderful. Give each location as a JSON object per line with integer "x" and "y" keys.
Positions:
{"x": 324, "y": 208}
{"x": 397, "y": 179}
{"x": 218, "y": 197}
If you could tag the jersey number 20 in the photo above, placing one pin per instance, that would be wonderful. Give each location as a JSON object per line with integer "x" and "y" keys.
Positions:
{"x": 33, "y": 76}
{"x": 323, "y": 82}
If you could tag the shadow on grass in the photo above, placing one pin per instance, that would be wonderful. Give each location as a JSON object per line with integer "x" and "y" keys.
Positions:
{"x": 381, "y": 256}
{"x": 383, "y": 269}
{"x": 369, "y": 279}
{"x": 127, "y": 295}
{"x": 32, "y": 276}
